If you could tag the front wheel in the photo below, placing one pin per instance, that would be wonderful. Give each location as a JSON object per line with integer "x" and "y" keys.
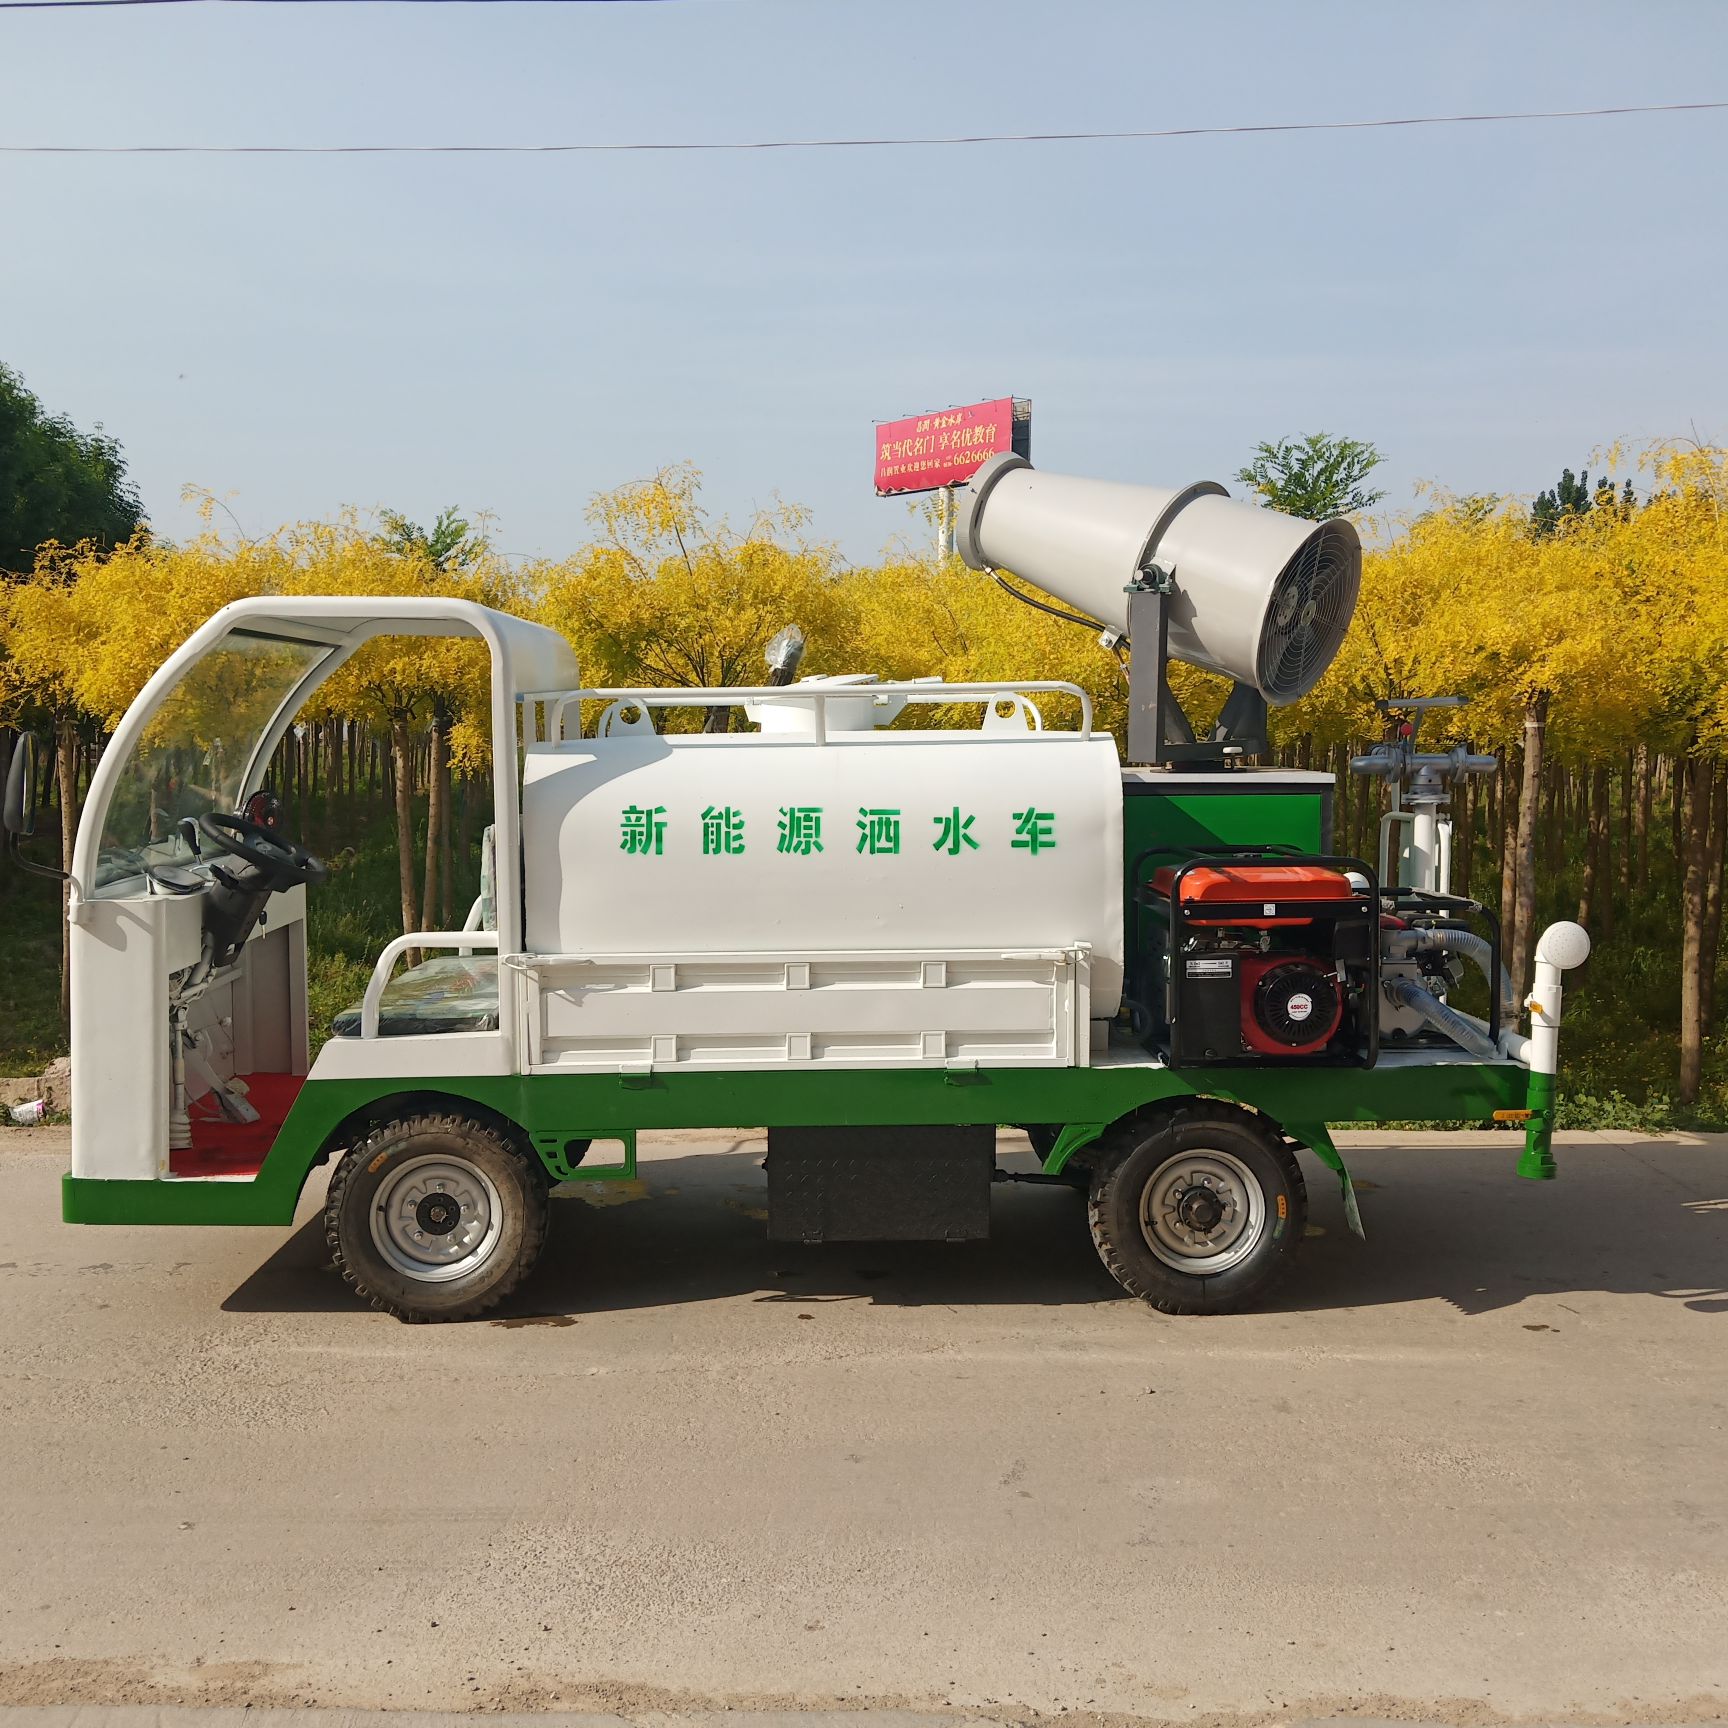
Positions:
{"x": 435, "y": 1217}
{"x": 1197, "y": 1212}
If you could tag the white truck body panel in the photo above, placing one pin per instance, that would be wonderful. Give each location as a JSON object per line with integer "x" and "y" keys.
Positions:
{"x": 901, "y": 843}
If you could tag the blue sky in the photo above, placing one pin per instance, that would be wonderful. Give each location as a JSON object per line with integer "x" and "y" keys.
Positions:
{"x": 511, "y": 333}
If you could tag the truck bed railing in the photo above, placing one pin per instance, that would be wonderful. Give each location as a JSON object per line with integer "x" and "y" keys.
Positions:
{"x": 544, "y": 710}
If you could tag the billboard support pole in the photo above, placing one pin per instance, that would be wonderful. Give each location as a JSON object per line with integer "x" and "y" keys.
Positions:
{"x": 947, "y": 514}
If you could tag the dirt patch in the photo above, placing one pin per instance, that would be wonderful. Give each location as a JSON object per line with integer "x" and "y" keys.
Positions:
{"x": 73, "y": 1680}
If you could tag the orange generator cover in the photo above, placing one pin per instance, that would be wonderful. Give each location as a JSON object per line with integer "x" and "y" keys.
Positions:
{"x": 1232, "y": 884}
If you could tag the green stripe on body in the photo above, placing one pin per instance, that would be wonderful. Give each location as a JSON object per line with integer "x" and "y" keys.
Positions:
{"x": 553, "y": 1107}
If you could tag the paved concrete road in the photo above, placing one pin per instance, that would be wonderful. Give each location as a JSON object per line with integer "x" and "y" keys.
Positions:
{"x": 1476, "y": 1467}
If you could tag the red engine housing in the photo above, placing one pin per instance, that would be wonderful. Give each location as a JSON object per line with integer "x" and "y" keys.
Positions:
{"x": 1318, "y": 992}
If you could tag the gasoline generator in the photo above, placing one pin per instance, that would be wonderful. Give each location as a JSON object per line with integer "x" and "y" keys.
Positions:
{"x": 1256, "y": 957}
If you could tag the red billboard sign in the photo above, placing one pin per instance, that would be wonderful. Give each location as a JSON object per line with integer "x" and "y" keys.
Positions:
{"x": 942, "y": 449}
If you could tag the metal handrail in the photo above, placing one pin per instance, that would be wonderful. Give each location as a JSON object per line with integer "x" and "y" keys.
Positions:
{"x": 920, "y": 692}
{"x": 396, "y": 948}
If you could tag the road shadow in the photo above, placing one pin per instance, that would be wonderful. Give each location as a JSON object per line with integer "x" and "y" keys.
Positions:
{"x": 1457, "y": 1223}
{"x": 693, "y": 1229}
{"x": 1442, "y": 1223}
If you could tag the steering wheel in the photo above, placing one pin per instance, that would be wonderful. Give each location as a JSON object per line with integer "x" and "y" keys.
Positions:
{"x": 286, "y": 864}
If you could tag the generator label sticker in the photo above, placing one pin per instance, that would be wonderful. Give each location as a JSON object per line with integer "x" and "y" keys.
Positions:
{"x": 1213, "y": 968}
{"x": 1300, "y": 1006}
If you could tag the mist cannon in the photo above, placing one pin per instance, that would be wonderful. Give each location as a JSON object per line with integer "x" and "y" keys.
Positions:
{"x": 1184, "y": 573}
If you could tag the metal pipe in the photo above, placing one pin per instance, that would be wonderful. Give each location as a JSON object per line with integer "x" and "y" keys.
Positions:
{"x": 1561, "y": 947}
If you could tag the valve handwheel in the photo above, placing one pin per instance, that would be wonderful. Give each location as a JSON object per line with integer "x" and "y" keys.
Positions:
{"x": 285, "y": 863}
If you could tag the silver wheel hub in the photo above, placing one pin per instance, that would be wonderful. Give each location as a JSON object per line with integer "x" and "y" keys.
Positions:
{"x": 1203, "y": 1212}
{"x": 435, "y": 1218}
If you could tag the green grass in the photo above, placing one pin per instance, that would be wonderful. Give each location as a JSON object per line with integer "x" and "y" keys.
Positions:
{"x": 32, "y": 1033}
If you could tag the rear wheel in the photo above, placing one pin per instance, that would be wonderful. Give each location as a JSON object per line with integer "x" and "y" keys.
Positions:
{"x": 1199, "y": 1211}
{"x": 435, "y": 1217}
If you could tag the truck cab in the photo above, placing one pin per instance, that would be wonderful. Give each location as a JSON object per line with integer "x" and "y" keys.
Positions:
{"x": 188, "y": 914}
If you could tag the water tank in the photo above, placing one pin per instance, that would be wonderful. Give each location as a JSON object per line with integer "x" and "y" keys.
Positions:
{"x": 774, "y": 843}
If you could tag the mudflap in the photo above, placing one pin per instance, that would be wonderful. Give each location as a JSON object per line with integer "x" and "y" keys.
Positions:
{"x": 1318, "y": 1139}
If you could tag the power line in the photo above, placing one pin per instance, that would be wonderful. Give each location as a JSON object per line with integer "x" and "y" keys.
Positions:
{"x": 77, "y": 5}
{"x": 881, "y": 143}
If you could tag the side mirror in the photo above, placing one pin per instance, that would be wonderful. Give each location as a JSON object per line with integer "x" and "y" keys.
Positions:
{"x": 19, "y": 813}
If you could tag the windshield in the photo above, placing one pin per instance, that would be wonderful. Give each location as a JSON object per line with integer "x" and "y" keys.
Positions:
{"x": 193, "y": 755}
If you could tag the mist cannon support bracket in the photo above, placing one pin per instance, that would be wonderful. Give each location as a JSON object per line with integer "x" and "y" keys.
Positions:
{"x": 1160, "y": 734}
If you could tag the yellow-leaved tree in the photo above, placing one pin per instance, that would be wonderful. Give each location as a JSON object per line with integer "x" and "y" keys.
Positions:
{"x": 666, "y": 596}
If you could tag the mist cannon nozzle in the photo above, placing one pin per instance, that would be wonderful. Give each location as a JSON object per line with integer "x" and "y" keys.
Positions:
{"x": 1258, "y": 596}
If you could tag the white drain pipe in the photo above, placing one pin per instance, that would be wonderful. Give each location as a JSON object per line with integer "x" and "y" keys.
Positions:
{"x": 1561, "y": 948}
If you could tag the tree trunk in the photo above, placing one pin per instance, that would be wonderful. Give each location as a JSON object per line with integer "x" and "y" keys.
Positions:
{"x": 1588, "y": 819}
{"x": 1712, "y": 899}
{"x": 402, "y": 754}
{"x": 1695, "y": 782}
{"x": 473, "y": 811}
{"x": 1602, "y": 815}
{"x": 436, "y": 785}
{"x": 7, "y": 740}
{"x": 331, "y": 809}
{"x": 1508, "y": 854}
{"x": 1624, "y": 875}
{"x": 1338, "y": 760}
{"x": 447, "y": 862}
{"x": 1464, "y": 835}
{"x": 1679, "y": 790}
{"x": 1524, "y": 856}
{"x": 66, "y": 772}
{"x": 1641, "y": 822}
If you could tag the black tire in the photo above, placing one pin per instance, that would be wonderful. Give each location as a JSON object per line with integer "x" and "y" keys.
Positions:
{"x": 480, "y": 1210}
{"x": 1162, "y": 1169}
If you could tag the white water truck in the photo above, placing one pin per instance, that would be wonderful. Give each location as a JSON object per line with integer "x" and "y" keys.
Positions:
{"x": 882, "y": 944}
